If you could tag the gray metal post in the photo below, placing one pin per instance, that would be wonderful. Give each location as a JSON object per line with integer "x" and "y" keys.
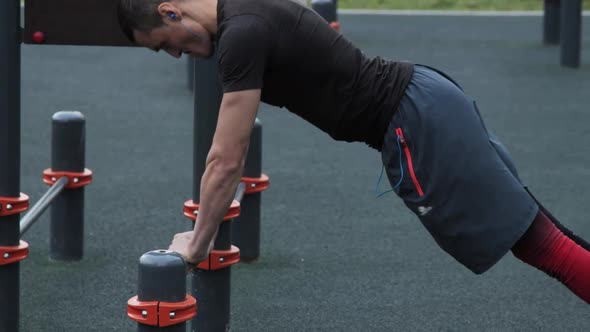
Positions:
{"x": 210, "y": 288}
{"x": 68, "y": 144}
{"x": 213, "y": 289}
{"x": 10, "y": 48}
{"x": 551, "y": 21}
{"x": 207, "y": 99}
{"x": 161, "y": 277}
{"x": 246, "y": 228}
{"x": 571, "y": 32}
{"x": 190, "y": 61}
{"x": 326, "y": 9}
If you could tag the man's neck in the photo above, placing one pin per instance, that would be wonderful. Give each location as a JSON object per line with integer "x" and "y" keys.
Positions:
{"x": 202, "y": 11}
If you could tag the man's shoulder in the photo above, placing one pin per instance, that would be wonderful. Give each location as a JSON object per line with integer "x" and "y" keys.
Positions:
{"x": 244, "y": 21}
{"x": 266, "y": 12}
{"x": 243, "y": 28}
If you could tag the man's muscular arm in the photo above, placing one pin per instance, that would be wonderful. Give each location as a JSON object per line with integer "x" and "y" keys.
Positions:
{"x": 224, "y": 167}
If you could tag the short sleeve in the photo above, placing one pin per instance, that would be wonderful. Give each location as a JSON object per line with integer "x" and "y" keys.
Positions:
{"x": 244, "y": 46}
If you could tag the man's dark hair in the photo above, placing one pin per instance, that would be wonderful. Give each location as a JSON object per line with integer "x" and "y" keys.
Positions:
{"x": 138, "y": 15}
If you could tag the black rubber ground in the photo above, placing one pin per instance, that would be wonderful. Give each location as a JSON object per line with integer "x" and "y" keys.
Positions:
{"x": 321, "y": 268}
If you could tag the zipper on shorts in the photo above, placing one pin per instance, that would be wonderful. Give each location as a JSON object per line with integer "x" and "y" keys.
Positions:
{"x": 402, "y": 140}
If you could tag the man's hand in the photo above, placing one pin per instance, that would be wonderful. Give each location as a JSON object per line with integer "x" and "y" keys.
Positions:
{"x": 182, "y": 245}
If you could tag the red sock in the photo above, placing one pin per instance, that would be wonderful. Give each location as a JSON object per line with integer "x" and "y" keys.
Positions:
{"x": 545, "y": 247}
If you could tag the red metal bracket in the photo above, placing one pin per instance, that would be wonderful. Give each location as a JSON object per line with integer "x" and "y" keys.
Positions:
{"x": 256, "y": 185}
{"x": 75, "y": 179}
{"x": 9, "y": 255}
{"x": 175, "y": 313}
{"x": 191, "y": 210}
{"x": 143, "y": 312}
{"x": 220, "y": 259}
{"x": 156, "y": 313}
{"x": 335, "y": 25}
{"x": 13, "y": 205}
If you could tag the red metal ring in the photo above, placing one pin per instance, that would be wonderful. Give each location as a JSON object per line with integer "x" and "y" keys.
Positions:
{"x": 75, "y": 179}
{"x": 220, "y": 259}
{"x": 9, "y": 255}
{"x": 335, "y": 25}
{"x": 256, "y": 185}
{"x": 177, "y": 312}
{"x": 161, "y": 314}
{"x": 143, "y": 312}
{"x": 191, "y": 209}
{"x": 13, "y": 205}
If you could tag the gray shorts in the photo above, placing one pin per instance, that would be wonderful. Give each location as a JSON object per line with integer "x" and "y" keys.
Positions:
{"x": 454, "y": 174}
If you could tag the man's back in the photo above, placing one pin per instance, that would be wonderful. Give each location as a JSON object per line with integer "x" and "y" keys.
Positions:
{"x": 302, "y": 64}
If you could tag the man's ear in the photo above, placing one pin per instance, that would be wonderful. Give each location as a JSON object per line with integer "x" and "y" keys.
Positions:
{"x": 169, "y": 12}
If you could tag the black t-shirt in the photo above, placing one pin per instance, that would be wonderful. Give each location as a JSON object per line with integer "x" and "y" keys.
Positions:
{"x": 304, "y": 65}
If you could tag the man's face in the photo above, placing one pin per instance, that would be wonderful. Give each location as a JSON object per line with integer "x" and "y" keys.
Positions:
{"x": 178, "y": 38}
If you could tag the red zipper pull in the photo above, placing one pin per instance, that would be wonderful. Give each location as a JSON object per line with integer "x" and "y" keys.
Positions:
{"x": 400, "y": 134}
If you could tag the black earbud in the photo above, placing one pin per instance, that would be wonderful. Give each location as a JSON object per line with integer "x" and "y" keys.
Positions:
{"x": 172, "y": 16}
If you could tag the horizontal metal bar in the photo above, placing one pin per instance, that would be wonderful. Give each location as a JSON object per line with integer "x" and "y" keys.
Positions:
{"x": 240, "y": 192}
{"x": 44, "y": 202}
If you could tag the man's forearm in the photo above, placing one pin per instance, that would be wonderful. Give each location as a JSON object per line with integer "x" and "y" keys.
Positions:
{"x": 218, "y": 187}
{"x": 225, "y": 162}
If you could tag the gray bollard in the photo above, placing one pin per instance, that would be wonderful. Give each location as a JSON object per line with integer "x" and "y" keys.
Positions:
{"x": 67, "y": 211}
{"x": 326, "y": 9}
{"x": 551, "y": 21}
{"x": 211, "y": 281}
{"x": 246, "y": 228}
{"x": 10, "y": 139}
{"x": 162, "y": 303}
{"x": 571, "y": 34}
{"x": 213, "y": 288}
{"x": 190, "y": 61}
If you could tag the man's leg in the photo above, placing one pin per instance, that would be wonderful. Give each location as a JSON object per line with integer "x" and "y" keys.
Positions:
{"x": 550, "y": 246}
{"x": 581, "y": 242}
{"x": 547, "y": 248}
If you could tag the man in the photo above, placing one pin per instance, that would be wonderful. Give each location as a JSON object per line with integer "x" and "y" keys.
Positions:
{"x": 439, "y": 157}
